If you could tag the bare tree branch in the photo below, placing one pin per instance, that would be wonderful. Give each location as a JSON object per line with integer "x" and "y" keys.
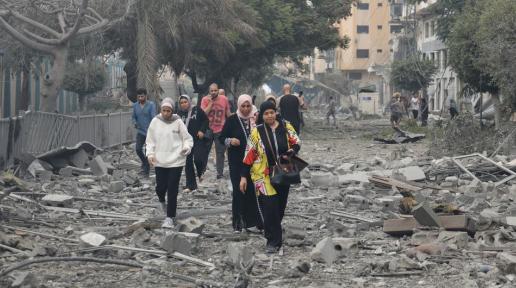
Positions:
{"x": 29, "y": 21}
{"x": 78, "y": 21}
{"x": 23, "y": 39}
{"x": 61, "y": 21}
{"x": 41, "y": 39}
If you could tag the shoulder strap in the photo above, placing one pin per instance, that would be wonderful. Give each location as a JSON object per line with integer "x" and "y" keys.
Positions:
{"x": 270, "y": 145}
{"x": 188, "y": 118}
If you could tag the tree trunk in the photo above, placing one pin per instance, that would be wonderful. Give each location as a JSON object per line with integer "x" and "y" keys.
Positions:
{"x": 53, "y": 81}
{"x": 497, "y": 111}
{"x": 175, "y": 87}
{"x": 132, "y": 80}
{"x": 82, "y": 103}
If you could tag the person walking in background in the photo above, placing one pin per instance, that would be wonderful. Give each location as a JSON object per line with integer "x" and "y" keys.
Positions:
{"x": 168, "y": 144}
{"x": 269, "y": 144}
{"x": 289, "y": 107}
{"x": 414, "y": 106}
{"x": 454, "y": 111}
{"x": 302, "y": 106}
{"x": 196, "y": 122}
{"x": 234, "y": 135}
{"x": 424, "y": 111}
{"x": 331, "y": 111}
{"x": 396, "y": 107}
{"x": 144, "y": 111}
{"x": 217, "y": 109}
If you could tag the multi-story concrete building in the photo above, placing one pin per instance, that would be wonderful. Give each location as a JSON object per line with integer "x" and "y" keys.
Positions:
{"x": 445, "y": 85}
{"x": 366, "y": 59}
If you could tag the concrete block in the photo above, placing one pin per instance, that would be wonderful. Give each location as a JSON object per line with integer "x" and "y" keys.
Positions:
{"x": 452, "y": 179}
{"x": 323, "y": 179}
{"x": 86, "y": 181}
{"x": 57, "y": 200}
{"x": 455, "y": 240}
{"x": 345, "y": 168}
{"x": 325, "y": 251}
{"x": 79, "y": 158}
{"x": 510, "y": 221}
{"x": 507, "y": 262}
{"x": 413, "y": 173}
{"x": 356, "y": 200}
{"x": 44, "y": 175}
{"x": 423, "y": 237}
{"x": 359, "y": 176}
{"x": 98, "y": 166}
{"x": 191, "y": 224}
{"x": 34, "y": 167}
{"x": 295, "y": 232}
{"x": 66, "y": 171}
{"x": 406, "y": 226}
{"x": 116, "y": 186}
{"x": 177, "y": 242}
{"x": 425, "y": 215}
{"x": 344, "y": 245}
{"x": 93, "y": 239}
{"x": 239, "y": 254}
{"x": 389, "y": 203}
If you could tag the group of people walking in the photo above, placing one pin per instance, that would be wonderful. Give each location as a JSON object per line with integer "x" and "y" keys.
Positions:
{"x": 257, "y": 141}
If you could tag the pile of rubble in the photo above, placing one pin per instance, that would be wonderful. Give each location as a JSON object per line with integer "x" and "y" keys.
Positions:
{"x": 395, "y": 219}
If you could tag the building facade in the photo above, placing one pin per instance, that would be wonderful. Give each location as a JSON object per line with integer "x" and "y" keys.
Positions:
{"x": 445, "y": 85}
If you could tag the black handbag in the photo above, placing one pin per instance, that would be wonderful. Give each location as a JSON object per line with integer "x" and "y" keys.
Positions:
{"x": 282, "y": 174}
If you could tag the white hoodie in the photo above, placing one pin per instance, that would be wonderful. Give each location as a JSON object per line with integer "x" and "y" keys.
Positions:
{"x": 168, "y": 141}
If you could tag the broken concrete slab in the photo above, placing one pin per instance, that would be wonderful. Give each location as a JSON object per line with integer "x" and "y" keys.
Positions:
{"x": 412, "y": 173}
{"x": 325, "y": 251}
{"x": 190, "y": 224}
{"x": 64, "y": 156}
{"x": 425, "y": 216}
{"x": 406, "y": 226}
{"x": 93, "y": 239}
{"x": 34, "y": 167}
{"x": 506, "y": 262}
{"x": 240, "y": 255}
{"x": 323, "y": 179}
{"x": 66, "y": 171}
{"x": 454, "y": 240}
{"x": 98, "y": 166}
{"x": 57, "y": 200}
{"x": 80, "y": 158}
{"x": 176, "y": 242}
{"x": 116, "y": 186}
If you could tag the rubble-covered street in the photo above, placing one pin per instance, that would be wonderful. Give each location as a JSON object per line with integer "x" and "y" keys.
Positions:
{"x": 97, "y": 222}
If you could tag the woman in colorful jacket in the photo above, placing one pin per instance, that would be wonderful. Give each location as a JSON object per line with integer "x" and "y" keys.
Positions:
{"x": 260, "y": 158}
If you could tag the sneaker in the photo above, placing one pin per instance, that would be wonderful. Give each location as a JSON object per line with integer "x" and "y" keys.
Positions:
{"x": 253, "y": 230}
{"x": 188, "y": 190}
{"x": 271, "y": 249}
{"x": 168, "y": 223}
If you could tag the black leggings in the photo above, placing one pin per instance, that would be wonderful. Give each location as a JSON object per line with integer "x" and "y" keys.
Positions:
{"x": 273, "y": 209}
{"x": 167, "y": 182}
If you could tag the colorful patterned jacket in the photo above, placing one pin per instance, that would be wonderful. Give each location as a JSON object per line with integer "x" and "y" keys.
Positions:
{"x": 256, "y": 157}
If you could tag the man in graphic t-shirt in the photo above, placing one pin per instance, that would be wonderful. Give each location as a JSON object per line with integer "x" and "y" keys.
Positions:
{"x": 217, "y": 109}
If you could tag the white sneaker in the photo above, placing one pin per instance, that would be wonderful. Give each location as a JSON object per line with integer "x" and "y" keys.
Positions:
{"x": 168, "y": 223}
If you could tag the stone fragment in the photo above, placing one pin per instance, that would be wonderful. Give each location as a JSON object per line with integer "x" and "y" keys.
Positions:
{"x": 412, "y": 173}
{"x": 324, "y": 251}
{"x": 389, "y": 203}
{"x": 177, "y": 242}
{"x": 356, "y": 200}
{"x": 345, "y": 168}
{"x": 425, "y": 216}
{"x": 24, "y": 279}
{"x": 98, "y": 166}
{"x": 344, "y": 245}
{"x": 323, "y": 179}
{"x": 295, "y": 232}
{"x": 454, "y": 240}
{"x": 57, "y": 200}
{"x": 44, "y": 175}
{"x": 79, "y": 159}
{"x": 239, "y": 255}
{"x": 66, "y": 171}
{"x": 86, "y": 181}
{"x": 116, "y": 186}
{"x": 506, "y": 262}
{"x": 93, "y": 239}
{"x": 191, "y": 224}
{"x": 34, "y": 167}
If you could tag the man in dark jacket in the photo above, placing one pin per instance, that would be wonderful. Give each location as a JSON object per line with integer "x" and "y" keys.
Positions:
{"x": 289, "y": 107}
{"x": 196, "y": 121}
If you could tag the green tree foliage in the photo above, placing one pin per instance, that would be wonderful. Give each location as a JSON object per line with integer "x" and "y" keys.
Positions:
{"x": 85, "y": 79}
{"x": 287, "y": 28}
{"x": 412, "y": 74}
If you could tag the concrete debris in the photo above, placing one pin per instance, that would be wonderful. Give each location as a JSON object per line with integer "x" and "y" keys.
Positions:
{"x": 178, "y": 242}
{"x": 98, "y": 166}
{"x": 330, "y": 249}
{"x": 57, "y": 200}
{"x": 116, "y": 186}
{"x": 93, "y": 239}
{"x": 24, "y": 280}
{"x": 240, "y": 255}
{"x": 425, "y": 216}
{"x": 191, "y": 224}
{"x": 507, "y": 262}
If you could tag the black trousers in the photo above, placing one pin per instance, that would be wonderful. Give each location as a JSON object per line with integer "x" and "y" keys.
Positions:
{"x": 140, "y": 141}
{"x": 167, "y": 183}
{"x": 273, "y": 209}
{"x": 195, "y": 161}
{"x": 415, "y": 113}
{"x": 244, "y": 206}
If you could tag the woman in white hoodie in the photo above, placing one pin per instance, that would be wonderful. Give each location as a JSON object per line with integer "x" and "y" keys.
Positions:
{"x": 168, "y": 143}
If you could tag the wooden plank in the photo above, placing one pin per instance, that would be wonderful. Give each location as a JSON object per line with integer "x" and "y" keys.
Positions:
{"x": 406, "y": 226}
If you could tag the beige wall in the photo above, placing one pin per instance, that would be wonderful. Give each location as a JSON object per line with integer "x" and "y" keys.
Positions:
{"x": 375, "y": 40}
